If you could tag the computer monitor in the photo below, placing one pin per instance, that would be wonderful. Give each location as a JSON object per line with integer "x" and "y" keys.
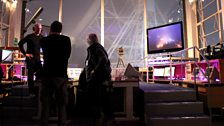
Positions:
{"x": 131, "y": 72}
{"x": 6, "y": 56}
{"x": 158, "y": 72}
{"x": 168, "y": 72}
{"x": 74, "y": 73}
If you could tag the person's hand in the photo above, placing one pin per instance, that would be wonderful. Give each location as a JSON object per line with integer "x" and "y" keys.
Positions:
{"x": 29, "y": 56}
{"x": 92, "y": 72}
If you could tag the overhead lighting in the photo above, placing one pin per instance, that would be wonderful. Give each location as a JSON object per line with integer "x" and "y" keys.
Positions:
{"x": 40, "y": 19}
{"x": 4, "y": 1}
{"x": 191, "y": 1}
{"x": 27, "y": 10}
{"x": 171, "y": 20}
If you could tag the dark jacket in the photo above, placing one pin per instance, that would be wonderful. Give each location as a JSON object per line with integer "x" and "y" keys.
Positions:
{"x": 33, "y": 45}
{"x": 97, "y": 61}
{"x": 56, "y": 52}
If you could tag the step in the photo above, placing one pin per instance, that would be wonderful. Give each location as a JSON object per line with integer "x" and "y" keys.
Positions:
{"x": 174, "y": 109}
{"x": 179, "y": 121}
{"x": 20, "y": 90}
{"x": 12, "y": 112}
{"x": 20, "y": 101}
{"x": 169, "y": 96}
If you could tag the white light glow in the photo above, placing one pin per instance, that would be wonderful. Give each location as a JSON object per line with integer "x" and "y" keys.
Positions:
{"x": 191, "y": 1}
{"x": 27, "y": 10}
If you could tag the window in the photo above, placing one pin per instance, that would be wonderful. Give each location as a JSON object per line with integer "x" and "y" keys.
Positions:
{"x": 209, "y": 16}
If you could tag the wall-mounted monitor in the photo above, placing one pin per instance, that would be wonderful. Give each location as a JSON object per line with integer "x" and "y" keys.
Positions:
{"x": 168, "y": 71}
{"x": 165, "y": 38}
{"x": 6, "y": 56}
{"x": 158, "y": 72}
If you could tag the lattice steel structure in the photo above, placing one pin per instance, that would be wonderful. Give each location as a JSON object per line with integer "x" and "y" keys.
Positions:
{"x": 123, "y": 27}
{"x": 209, "y": 22}
{"x": 4, "y": 22}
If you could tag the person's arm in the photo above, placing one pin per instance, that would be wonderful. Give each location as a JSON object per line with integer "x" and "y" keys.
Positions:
{"x": 21, "y": 43}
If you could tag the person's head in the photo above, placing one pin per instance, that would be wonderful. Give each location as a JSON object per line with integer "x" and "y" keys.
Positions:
{"x": 37, "y": 29}
{"x": 56, "y": 27}
{"x": 92, "y": 38}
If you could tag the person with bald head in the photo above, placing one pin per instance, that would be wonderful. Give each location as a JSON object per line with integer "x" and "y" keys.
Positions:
{"x": 32, "y": 54}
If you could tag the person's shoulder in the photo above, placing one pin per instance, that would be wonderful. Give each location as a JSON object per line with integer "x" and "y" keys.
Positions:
{"x": 64, "y": 36}
{"x": 29, "y": 35}
{"x": 44, "y": 38}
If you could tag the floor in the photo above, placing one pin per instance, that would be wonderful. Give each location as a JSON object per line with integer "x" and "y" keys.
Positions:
{"x": 217, "y": 121}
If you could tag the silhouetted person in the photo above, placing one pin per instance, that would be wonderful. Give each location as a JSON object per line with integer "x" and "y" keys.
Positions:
{"x": 56, "y": 51}
{"x": 98, "y": 77}
{"x": 32, "y": 54}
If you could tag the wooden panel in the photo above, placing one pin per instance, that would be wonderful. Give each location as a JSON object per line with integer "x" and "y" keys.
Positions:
{"x": 216, "y": 97}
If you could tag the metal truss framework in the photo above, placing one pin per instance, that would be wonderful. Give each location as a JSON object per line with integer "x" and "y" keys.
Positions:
{"x": 129, "y": 29}
{"x": 123, "y": 27}
{"x": 4, "y": 18}
{"x": 214, "y": 17}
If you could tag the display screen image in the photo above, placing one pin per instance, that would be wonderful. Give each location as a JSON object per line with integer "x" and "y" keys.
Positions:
{"x": 158, "y": 72}
{"x": 167, "y": 71}
{"x": 6, "y": 56}
{"x": 166, "y": 38}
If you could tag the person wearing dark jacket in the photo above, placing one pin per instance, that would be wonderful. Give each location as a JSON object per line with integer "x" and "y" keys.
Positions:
{"x": 56, "y": 52}
{"x": 98, "y": 78}
{"x": 32, "y": 55}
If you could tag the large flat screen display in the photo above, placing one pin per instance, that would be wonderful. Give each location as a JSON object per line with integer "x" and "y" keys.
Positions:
{"x": 165, "y": 38}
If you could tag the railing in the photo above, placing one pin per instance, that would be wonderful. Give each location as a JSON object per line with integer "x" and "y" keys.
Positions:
{"x": 172, "y": 59}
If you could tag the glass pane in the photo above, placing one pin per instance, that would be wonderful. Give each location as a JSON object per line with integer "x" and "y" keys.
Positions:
{"x": 220, "y": 4}
{"x": 206, "y": 2}
{"x": 199, "y": 11}
{"x": 159, "y": 13}
{"x": 211, "y": 25}
{"x": 212, "y": 39}
{"x": 200, "y": 39}
{"x": 210, "y": 9}
{"x": 46, "y": 17}
{"x": 124, "y": 27}
{"x": 4, "y": 18}
{"x": 222, "y": 27}
{"x": 80, "y": 17}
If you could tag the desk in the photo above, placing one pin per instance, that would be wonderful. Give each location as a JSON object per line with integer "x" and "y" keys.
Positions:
{"x": 128, "y": 94}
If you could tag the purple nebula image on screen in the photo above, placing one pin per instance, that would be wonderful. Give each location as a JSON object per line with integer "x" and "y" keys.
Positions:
{"x": 165, "y": 38}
